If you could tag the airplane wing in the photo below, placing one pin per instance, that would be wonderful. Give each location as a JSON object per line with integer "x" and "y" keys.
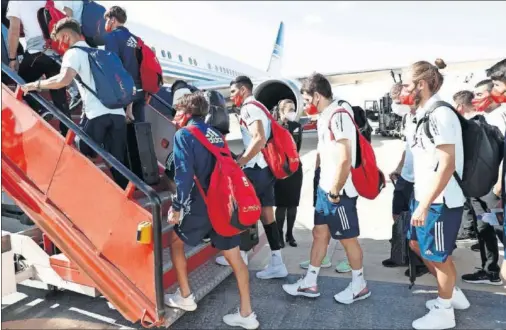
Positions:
{"x": 361, "y": 76}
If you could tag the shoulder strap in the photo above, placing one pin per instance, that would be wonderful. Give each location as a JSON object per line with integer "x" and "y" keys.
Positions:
{"x": 425, "y": 119}
{"x": 341, "y": 110}
{"x": 261, "y": 106}
{"x": 78, "y": 78}
{"x": 216, "y": 151}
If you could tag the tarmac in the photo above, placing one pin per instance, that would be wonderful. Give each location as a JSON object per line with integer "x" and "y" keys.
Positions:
{"x": 391, "y": 305}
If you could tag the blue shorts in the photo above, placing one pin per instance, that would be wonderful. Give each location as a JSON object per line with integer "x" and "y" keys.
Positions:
{"x": 402, "y": 196}
{"x": 263, "y": 181}
{"x": 437, "y": 238}
{"x": 196, "y": 225}
{"x": 342, "y": 218}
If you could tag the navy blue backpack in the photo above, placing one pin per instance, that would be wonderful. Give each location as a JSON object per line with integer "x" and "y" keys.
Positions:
{"x": 93, "y": 23}
{"x": 114, "y": 86}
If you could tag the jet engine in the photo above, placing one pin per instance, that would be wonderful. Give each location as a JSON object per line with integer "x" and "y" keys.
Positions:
{"x": 271, "y": 91}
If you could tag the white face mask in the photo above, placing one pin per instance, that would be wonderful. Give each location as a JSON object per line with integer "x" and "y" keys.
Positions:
{"x": 291, "y": 116}
{"x": 400, "y": 109}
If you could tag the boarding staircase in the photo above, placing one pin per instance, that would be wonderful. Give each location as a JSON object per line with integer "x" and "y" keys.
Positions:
{"x": 109, "y": 241}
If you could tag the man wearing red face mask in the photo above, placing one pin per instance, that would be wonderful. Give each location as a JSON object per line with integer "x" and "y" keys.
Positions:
{"x": 37, "y": 59}
{"x": 336, "y": 198}
{"x": 437, "y": 207}
{"x": 122, "y": 42}
{"x": 255, "y": 130}
{"x": 498, "y": 75}
{"x": 464, "y": 103}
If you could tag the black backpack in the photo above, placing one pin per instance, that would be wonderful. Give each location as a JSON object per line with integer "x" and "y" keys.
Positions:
{"x": 361, "y": 120}
{"x": 483, "y": 152}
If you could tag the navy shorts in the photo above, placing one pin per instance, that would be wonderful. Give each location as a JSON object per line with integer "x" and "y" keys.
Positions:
{"x": 438, "y": 236}
{"x": 196, "y": 225}
{"x": 263, "y": 181}
{"x": 342, "y": 218}
{"x": 402, "y": 195}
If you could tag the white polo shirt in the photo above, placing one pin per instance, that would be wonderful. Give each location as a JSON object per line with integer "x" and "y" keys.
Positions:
{"x": 407, "y": 171}
{"x": 77, "y": 59}
{"x": 249, "y": 114}
{"x": 445, "y": 128}
{"x": 497, "y": 118}
{"x": 75, "y": 6}
{"x": 26, "y": 12}
{"x": 342, "y": 127}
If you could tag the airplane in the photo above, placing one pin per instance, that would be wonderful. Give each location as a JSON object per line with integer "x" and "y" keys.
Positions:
{"x": 209, "y": 70}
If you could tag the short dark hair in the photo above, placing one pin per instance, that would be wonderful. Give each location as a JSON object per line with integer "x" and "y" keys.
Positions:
{"x": 194, "y": 103}
{"x": 464, "y": 97}
{"x": 66, "y": 23}
{"x": 317, "y": 83}
{"x": 240, "y": 81}
{"x": 498, "y": 71}
{"x": 117, "y": 12}
{"x": 488, "y": 82}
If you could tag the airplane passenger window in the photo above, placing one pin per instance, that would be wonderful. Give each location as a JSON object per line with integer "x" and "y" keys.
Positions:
{"x": 190, "y": 60}
{"x": 163, "y": 53}
{"x": 195, "y": 62}
{"x": 180, "y": 58}
{"x": 209, "y": 66}
{"x": 216, "y": 67}
{"x": 153, "y": 49}
{"x": 169, "y": 55}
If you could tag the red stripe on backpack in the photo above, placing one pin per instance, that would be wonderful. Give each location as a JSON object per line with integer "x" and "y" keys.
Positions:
{"x": 231, "y": 200}
{"x": 149, "y": 68}
{"x": 280, "y": 151}
{"x": 366, "y": 177}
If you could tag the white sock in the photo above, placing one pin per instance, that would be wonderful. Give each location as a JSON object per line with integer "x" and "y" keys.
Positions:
{"x": 445, "y": 303}
{"x": 357, "y": 276}
{"x": 276, "y": 257}
{"x": 312, "y": 275}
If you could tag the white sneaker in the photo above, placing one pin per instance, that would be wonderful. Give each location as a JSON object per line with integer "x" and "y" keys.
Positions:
{"x": 353, "y": 293}
{"x": 236, "y": 320}
{"x": 459, "y": 300}
{"x": 438, "y": 318}
{"x": 273, "y": 271}
{"x": 300, "y": 288}
{"x": 223, "y": 262}
{"x": 175, "y": 300}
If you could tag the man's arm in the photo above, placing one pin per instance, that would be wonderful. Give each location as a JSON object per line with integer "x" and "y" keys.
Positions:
{"x": 343, "y": 130}
{"x": 252, "y": 117}
{"x": 445, "y": 169}
{"x": 14, "y": 33}
{"x": 184, "y": 171}
{"x": 63, "y": 79}
{"x": 111, "y": 44}
{"x": 498, "y": 185}
{"x": 317, "y": 160}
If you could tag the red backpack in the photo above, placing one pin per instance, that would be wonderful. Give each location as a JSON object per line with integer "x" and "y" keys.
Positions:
{"x": 48, "y": 16}
{"x": 232, "y": 203}
{"x": 150, "y": 68}
{"x": 367, "y": 177}
{"x": 280, "y": 152}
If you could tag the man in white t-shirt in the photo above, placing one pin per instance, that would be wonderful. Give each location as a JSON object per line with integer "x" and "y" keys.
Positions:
{"x": 36, "y": 59}
{"x": 438, "y": 204}
{"x": 256, "y": 130}
{"x": 336, "y": 202}
{"x": 495, "y": 114}
{"x": 105, "y": 126}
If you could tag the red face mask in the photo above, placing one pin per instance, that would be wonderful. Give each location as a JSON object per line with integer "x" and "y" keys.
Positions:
{"x": 108, "y": 26}
{"x": 238, "y": 100}
{"x": 181, "y": 119}
{"x": 482, "y": 105}
{"x": 407, "y": 99}
{"x": 311, "y": 109}
{"x": 498, "y": 98}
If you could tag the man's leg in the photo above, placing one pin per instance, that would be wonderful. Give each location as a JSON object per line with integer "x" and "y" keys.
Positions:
{"x": 467, "y": 231}
{"x": 280, "y": 220}
{"x": 436, "y": 241}
{"x": 138, "y": 108}
{"x": 115, "y": 143}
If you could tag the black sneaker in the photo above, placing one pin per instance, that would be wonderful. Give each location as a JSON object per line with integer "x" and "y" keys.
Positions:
{"x": 390, "y": 263}
{"x": 482, "y": 277}
{"x": 466, "y": 237}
